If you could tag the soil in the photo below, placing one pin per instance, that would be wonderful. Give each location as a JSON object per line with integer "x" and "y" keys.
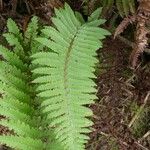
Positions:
{"x": 120, "y": 90}
{"x": 119, "y": 87}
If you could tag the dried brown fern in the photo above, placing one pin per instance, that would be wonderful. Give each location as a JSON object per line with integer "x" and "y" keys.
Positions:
{"x": 54, "y": 4}
{"x": 141, "y": 39}
{"x": 142, "y": 19}
{"x": 124, "y": 24}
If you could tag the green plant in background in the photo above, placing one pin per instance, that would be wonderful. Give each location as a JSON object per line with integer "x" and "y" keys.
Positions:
{"x": 18, "y": 103}
{"x": 124, "y": 7}
{"x": 47, "y": 82}
{"x": 113, "y": 144}
{"x": 90, "y": 5}
{"x": 140, "y": 124}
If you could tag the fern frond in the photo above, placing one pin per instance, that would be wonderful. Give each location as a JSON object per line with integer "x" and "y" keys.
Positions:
{"x": 17, "y": 103}
{"x": 126, "y": 7}
{"x": 66, "y": 84}
{"x": 15, "y": 114}
{"x": 32, "y": 28}
{"x": 132, "y": 6}
{"x": 13, "y": 28}
{"x": 23, "y": 143}
{"x": 95, "y": 15}
{"x": 14, "y": 41}
{"x": 13, "y": 69}
{"x": 14, "y": 93}
{"x": 13, "y": 81}
{"x": 63, "y": 75}
{"x": 22, "y": 129}
{"x": 12, "y": 58}
{"x": 120, "y": 7}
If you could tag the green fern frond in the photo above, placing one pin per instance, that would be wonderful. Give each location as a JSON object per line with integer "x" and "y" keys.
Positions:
{"x": 12, "y": 58}
{"x": 23, "y": 143}
{"x": 95, "y": 15}
{"x": 18, "y": 100}
{"x": 14, "y": 93}
{"x": 120, "y": 8}
{"x": 14, "y": 38}
{"x": 13, "y": 69}
{"x": 31, "y": 32}
{"x": 22, "y": 129}
{"x": 13, "y": 29}
{"x": 52, "y": 113}
{"x": 15, "y": 114}
{"x": 13, "y": 81}
{"x": 124, "y": 7}
{"x": 16, "y": 104}
{"x": 65, "y": 75}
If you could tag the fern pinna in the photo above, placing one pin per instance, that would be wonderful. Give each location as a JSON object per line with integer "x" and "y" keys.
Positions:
{"x": 47, "y": 83}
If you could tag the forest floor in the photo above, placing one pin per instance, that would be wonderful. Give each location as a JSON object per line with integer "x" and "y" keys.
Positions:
{"x": 121, "y": 115}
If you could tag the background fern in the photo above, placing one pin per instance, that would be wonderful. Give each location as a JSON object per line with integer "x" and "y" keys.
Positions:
{"x": 18, "y": 99}
{"x": 123, "y": 7}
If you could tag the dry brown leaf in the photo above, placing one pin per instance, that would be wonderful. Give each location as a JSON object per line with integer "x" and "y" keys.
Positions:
{"x": 124, "y": 24}
{"x": 142, "y": 19}
{"x": 141, "y": 39}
